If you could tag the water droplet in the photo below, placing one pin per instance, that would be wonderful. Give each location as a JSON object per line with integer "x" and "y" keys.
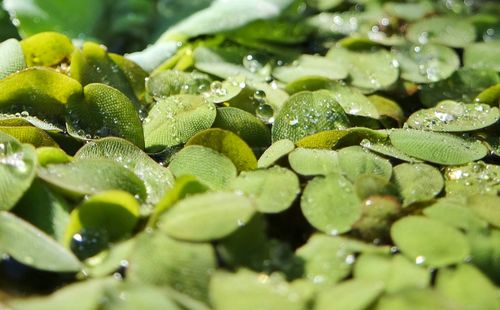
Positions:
{"x": 419, "y": 260}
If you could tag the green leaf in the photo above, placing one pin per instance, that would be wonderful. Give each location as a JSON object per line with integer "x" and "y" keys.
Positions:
{"x": 91, "y": 176}
{"x": 409, "y": 11}
{"x": 387, "y": 149}
{"x": 471, "y": 179}
{"x": 162, "y": 261}
{"x": 273, "y": 189}
{"x": 482, "y": 55}
{"x": 207, "y": 216}
{"x": 41, "y": 92}
{"x": 228, "y": 144}
{"x": 17, "y": 170}
{"x": 453, "y": 211}
{"x": 368, "y": 70}
{"x": 324, "y": 5}
{"x": 311, "y": 66}
{"x": 330, "y": 139}
{"x": 439, "y": 148}
{"x": 426, "y": 63}
{"x": 115, "y": 213}
{"x": 172, "y": 82}
{"x": 156, "y": 178}
{"x": 174, "y": 120}
{"x": 333, "y": 211}
{"x": 210, "y": 167}
{"x": 468, "y": 287}
{"x": 486, "y": 206}
{"x": 70, "y": 17}
{"x": 417, "y": 182}
{"x": 353, "y": 294}
{"x": 355, "y": 162}
{"x": 447, "y": 30}
{"x": 246, "y": 290}
{"x": 12, "y": 57}
{"x": 30, "y": 135}
{"x": 34, "y": 248}
{"x": 427, "y": 241}
{"x": 454, "y": 116}
{"x": 51, "y": 155}
{"x": 396, "y": 272}
{"x": 135, "y": 75}
{"x": 274, "y": 152}
{"x": 314, "y": 161}
{"x": 418, "y": 299}
{"x": 306, "y": 113}
{"x": 463, "y": 85}
{"x": 138, "y": 296}
{"x": 105, "y": 111}
{"x": 353, "y": 101}
{"x": 47, "y": 49}
{"x": 490, "y": 96}
{"x": 244, "y": 124}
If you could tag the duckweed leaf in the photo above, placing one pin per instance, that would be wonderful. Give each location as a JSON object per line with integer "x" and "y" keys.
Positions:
{"x": 308, "y": 65}
{"x": 226, "y": 90}
{"x": 247, "y": 290}
{"x": 463, "y": 85}
{"x": 417, "y": 182}
{"x": 353, "y": 294}
{"x": 306, "y": 113}
{"x": 333, "y": 211}
{"x": 454, "y": 116}
{"x": 47, "y": 49}
{"x": 159, "y": 260}
{"x": 426, "y": 63}
{"x": 409, "y": 11}
{"x": 447, "y": 30}
{"x": 453, "y": 211}
{"x": 482, "y": 55}
{"x": 115, "y": 213}
{"x": 273, "y": 189}
{"x": 176, "y": 119}
{"x": 439, "y": 148}
{"x": 244, "y": 124}
{"x": 135, "y": 75}
{"x": 12, "y": 57}
{"x": 468, "y": 287}
{"x": 486, "y": 206}
{"x": 274, "y": 152}
{"x": 91, "y": 176}
{"x": 387, "y": 108}
{"x": 156, "y": 178}
{"x": 17, "y": 170}
{"x": 51, "y": 155}
{"x": 105, "y": 111}
{"x": 415, "y": 299}
{"x": 210, "y": 167}
{"x": 356, "y": 161}
{"x": 34, "y": 248}
{"x": 41, "y": 92}
{"x": 172, "y": 82}
{"x": 427, "y": 241}
{"x": 228, "y": 144}
{"x": 28, "y": 134}
{"x": 368, "y": 70}
{"x": 324, "y": 5}
{"x": 354, "y": 102}
{"x": 207, "y": 216}
{"x": 387, "y": 149}
{"x": 314, "y": 161}
{"x": 490, "y": 95}
{"x": 473, "y": 178}
{"x": 330, "y": 139}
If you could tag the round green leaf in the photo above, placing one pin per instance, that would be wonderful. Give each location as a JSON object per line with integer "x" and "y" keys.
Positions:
{"x": 426, "y": 63}
{"x": 41, "y": 92}
{"x": 11, "y": 57}
{"x": 91, "y": 176}
{"x": 353, "y": 101}
{"x": 47, "y": 49}
{"x": 17, "y": 170}
{"x": 207, "y": 216}
{"x": 332, "y": 211}
{"x": 274, "y": 152}
{"x": 415, "y": 299}
{"x": 454, "y": 116}
{"x": 447, "y": 30}
{"x": 330, "y": 139}
{"x": 427, "y": 241}
{"x": 172, "y": 82}
{"x": 482, "y": 55}
{"x": 417, "y": 182}
{"x": 439, "y": 148}
{"x": 490, "y": 95}
{"x": 176, "y": 119}
{"x": 353, "y": 294}
{"x": 487, "y": 207}
{"x": 453, "y": 211}
{"x": 228, "y": 144}
{"x": 29, "y": 134}
{"x": 156, "y": 178}
{"x": 314, "y": 161}
{"x": 387, "y": 149}
{"x": 355, "y": 162}
{"x": 409, "y": 11}
{"x": 471, "y": 179}
{"x": 51, "y": 155}
{"x": 105, "y": 111}
{"x": 310, "y": 65}
{"x": 368, "y": 70}
{"x": 306, "y": 113}
{"x": 210, "y": 167}
{"x": 273, "y": 189}
{"x": 244, "y": 124}
{"x": 33, "y": 247}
